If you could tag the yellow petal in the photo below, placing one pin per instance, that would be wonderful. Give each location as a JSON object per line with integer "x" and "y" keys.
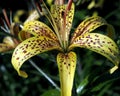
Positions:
{"x": 29, "y": 48}
{"x": 36, "y": 28}
{"x": 7, "y": 44}
{"x": 113, "y": 69}
{"x": 63, "y": 18}
{"x": 9, "y": 41}
{"x": 91, "y": 5}
{"x": 100, "y": 44}
{"x": 4, "y": 47}
{"x": 66, "y": 64}
{"x": 19, "y": 14}
{"x": 32, "y": 16}
{"x": 90, "y": 24}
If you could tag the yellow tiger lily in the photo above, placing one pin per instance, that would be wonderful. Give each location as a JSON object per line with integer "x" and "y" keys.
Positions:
{"x": 43, "y": 39}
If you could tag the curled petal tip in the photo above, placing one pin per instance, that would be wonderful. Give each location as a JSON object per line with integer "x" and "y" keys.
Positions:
{"x": 22, "y": 74}
{"x": 113, "y": 69}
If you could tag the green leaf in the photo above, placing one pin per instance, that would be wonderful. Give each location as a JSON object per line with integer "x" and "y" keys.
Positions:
{"x": 52, "y": 92}
{"x": 99, "y": 43}
{"x": 29, "y": 48}
{"x": 82, "y": 85}
{"x": 66, "y": 64}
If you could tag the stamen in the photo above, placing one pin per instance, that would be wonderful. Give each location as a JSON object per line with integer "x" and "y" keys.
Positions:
{"x": 59, "y": 2}
{"x": 37, "y": 7}
{"x": 6, "y": 17}
{"x": 21, "y": 26}
{"x": 6, "y": 29}
{"x": 67, "y": 9}
{"x": 11, "y": 17}
{"x": 69, "y": 4}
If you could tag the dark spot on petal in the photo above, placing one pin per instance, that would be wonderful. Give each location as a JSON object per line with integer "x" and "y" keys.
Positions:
{"x": 24, "y": 51}
{"x": 17, "y": 58}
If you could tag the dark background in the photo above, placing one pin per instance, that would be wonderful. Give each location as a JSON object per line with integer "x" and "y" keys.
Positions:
{"x": 90, "y": 64}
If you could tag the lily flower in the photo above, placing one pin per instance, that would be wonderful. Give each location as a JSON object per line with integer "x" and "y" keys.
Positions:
{"x": 12, "y": 29}
{"x": 10, "y": 41}
{"x": 43, "y": 38}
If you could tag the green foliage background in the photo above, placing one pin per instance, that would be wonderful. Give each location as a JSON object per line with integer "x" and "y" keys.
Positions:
{"x": 91, "y": 78}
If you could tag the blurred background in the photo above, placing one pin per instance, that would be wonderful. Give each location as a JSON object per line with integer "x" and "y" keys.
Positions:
{"x": 91, "y": 78}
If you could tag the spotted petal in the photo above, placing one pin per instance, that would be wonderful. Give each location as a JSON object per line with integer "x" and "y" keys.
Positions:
{"x": 90, "y": 24}
{"x": 36, "y": 28}
{"x": 66, "y": 64}
{"x": 100, "y": 44}
{"x": 29, "y": 48}
{"x": 63, "y": 18}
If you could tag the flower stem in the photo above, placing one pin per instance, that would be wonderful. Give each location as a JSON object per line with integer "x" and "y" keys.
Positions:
{"x": 44, "y": 74}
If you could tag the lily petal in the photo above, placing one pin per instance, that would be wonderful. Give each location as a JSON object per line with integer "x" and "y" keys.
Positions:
{"x": 64, "y": 17}
{"x": 4, "y": 47}
{"x": 100, "y": 44}
{"x": 36, "y": 28}
{"x": 66, "y": 64}
{"x": 90, "y": 24}
{"x": 7, "y": 44}
{"x": 29, "y": 48}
